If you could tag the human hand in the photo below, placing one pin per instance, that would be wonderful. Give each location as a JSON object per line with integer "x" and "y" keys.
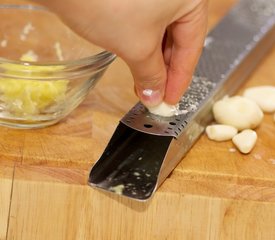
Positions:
{"x": 162, "y": 64}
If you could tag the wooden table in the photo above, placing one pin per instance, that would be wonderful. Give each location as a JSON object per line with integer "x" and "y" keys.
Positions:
{"x": 212, "y": 194}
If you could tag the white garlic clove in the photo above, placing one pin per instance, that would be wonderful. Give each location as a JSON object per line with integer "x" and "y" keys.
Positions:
{"x": 239, "y": 112}
{"x": 220, "y": 132}
{"x": 264, "y": 96}
{"x": 164, "y": 110}
{"x": 245, "y": 140}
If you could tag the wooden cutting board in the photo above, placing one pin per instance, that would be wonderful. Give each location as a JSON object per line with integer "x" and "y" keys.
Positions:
{"x": 213, "y": 193}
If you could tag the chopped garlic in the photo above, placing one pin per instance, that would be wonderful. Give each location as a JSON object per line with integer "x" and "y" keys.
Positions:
{"x": 58, "y": 51}
{"x": 26, "y": 97}
{"x": 29, "y": 56}
{"x": 26, "y": 30}
{"x": 4, "y": 43}
{"x": 117, "y": 189}
{"x": 232, "y": 150}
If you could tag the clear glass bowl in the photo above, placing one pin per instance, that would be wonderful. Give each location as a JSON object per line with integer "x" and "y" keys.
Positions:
{"x": 46, "y": 70}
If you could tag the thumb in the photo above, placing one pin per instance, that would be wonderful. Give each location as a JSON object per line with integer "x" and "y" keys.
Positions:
{"x": 150, "y": 78}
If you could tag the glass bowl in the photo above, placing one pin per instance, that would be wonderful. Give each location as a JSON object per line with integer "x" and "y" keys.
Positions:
{"x": 46, "y": 70}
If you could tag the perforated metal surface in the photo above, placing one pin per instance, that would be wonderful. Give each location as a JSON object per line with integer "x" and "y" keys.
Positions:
{"x": 226, "y": 47}
{"x": 139, "y": 117}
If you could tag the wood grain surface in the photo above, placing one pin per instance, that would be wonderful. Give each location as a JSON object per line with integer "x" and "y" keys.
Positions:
{"x": 212, "y": 194}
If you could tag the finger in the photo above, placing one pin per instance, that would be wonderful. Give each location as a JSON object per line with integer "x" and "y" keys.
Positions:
{"x": 150, "y": 77}
{"x": 188, "y": 36}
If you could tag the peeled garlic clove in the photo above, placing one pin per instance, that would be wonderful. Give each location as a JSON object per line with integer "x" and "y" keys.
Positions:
{"x": 239, "y": 112}
{"x": 164, "y": 110}
{"x": 264, "y": 96}
{"x": 245, "y": 140}
{"x": 220, "y": 132}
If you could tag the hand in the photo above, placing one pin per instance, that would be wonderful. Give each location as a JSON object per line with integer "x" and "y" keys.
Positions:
{"x": 162, "y": 64}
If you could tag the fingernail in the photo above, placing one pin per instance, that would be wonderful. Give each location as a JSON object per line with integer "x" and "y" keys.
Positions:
{"x": 151, "y": 97}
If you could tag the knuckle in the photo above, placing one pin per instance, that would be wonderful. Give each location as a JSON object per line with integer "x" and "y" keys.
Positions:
{"x": 153, "y": 81}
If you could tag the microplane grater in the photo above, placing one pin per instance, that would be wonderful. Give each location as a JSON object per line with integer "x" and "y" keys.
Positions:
{"x": 145, "y": 148}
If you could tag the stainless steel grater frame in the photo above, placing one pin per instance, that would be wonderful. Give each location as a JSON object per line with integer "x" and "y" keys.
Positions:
{"x": 145, "y": 148}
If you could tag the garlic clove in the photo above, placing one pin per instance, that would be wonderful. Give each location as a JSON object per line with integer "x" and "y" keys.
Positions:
{"x": 264, "y": 96}
{"x": 220, "y": 132}
{"x": 239, "y": 112}
{"x": 245, "y": 140}
{"x": 164, "y": 110}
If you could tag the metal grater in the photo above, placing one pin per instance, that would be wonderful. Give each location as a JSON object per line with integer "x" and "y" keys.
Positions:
{"x": 145, "y": 148}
